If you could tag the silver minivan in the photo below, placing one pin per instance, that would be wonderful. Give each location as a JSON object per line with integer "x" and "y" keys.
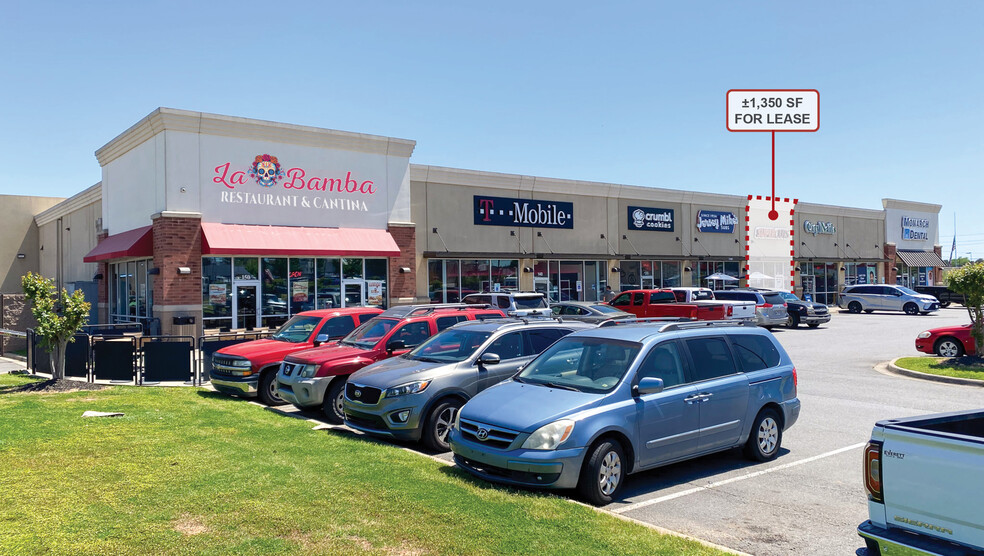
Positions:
{"x": 885, "y": 297}
{"x": 415, "y": 396}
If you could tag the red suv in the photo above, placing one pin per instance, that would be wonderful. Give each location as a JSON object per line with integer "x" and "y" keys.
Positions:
{"x": 250, "y": 368}
{"x": 315, "y": 378}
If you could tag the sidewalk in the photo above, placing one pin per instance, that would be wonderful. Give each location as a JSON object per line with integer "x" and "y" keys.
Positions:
{"x": 8, "y": 364}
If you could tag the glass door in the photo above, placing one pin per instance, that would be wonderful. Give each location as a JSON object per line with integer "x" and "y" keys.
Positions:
{"x": 353, "y": 293}
{"x": 245, "y": 305}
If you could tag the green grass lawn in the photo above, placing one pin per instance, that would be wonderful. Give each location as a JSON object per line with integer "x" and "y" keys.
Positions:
{"x": 935, "y": 366}
{"x": 189, "y": 471}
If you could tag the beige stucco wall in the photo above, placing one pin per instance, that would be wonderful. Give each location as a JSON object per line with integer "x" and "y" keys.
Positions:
{"x": 77, "y": 218}
{"x": 19, "y": 234}
{"x": 862, "y": 230}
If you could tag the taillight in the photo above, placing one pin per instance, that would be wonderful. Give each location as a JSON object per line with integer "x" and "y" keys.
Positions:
{"x": 765, "y": 305}
{"x": 872, "y": 471}
{"x": 731, "y": 310}
{"x": 795, "y": 381}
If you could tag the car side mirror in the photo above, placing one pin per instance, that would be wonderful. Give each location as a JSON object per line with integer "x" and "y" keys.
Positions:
{"x": 320, "y": 339}
{"x": 395, "y": 345}
{"x": 648, "y": 385}
{"x": 489, "y": 359}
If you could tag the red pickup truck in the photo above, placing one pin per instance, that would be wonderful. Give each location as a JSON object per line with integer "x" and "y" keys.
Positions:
{"x": 250, "y": 368}
{"x": 316, "y": 378}
{"x": 662, "y": 303}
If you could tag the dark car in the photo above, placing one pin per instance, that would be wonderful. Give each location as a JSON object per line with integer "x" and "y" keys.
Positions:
{"x": 943, "y": 293}
{"x": 588, "y": 311}
{"x": 807, "y": 312}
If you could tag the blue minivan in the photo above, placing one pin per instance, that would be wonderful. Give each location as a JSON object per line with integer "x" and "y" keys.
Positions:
{"x": 603, "y": 403}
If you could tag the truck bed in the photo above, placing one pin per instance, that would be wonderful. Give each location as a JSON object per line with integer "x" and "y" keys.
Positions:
{"x": 961, "y": 425}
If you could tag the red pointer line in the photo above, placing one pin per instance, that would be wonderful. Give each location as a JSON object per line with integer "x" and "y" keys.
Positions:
{"x": 773, "y": 171}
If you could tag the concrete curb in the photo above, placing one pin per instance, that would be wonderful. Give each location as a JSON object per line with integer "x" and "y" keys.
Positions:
{"x": 895, "y": 369}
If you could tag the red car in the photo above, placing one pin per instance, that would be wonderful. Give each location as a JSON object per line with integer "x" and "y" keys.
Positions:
{"x": 250, "y": 369}
{"x": 948, "y": 341}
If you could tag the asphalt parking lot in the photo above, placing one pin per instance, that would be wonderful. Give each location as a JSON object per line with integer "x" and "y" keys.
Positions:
{"x": 810, "y": 499}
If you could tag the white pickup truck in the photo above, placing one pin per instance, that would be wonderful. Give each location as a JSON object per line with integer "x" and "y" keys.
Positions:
{"x": 736, "y": 310}
{"x": 925, "y": 482}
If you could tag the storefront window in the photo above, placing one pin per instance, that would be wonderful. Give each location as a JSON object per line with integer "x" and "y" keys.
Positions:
{"x": 376, "y": 275}
{"x": 449, "y": 280}
{"x": 329, "y": 291}
{"x": 474, "y": 276}
{"x": 707, "y": 268}
{"x": 670, "y": 274}
{"x": 216, "y": 288}
{"x": 273, "y": 301}
{"x": 505, "y": 273}
{"x": 630, "y": 275}
{"x": 302, "y": 285}
{"x": 129, "y": 296}
{"x": 352, "y": 269}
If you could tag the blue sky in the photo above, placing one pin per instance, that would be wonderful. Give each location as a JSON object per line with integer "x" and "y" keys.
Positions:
{"x": 618, "y": 92}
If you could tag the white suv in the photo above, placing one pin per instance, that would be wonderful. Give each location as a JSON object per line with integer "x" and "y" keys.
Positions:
{"x": 512, "y": 303}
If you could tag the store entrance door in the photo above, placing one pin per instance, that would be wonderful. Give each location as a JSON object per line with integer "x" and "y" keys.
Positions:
{"x": 245, "y": 304}
{"x": 353, "y": 293}
{"x": 542, "y": 285}
{"x": 809, "y": 287}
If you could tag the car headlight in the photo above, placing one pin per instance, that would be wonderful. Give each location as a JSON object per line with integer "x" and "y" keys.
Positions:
{"x": 408, "y": 388}
{"x": 548, "y": 437}
{"x": 240, "y": 363}
{"x": 308, "y": 371}
{"x": 924, "y": 334}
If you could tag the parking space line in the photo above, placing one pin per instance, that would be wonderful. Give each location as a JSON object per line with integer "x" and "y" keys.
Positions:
{"x": 695, "y": 490}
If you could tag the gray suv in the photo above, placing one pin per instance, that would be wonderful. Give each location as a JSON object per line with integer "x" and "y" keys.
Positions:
{"x": 885, "y": 297}
{"x": 770, "y": 307}
{"x": 415, "y": 397}
{"x": 512, "y": 303}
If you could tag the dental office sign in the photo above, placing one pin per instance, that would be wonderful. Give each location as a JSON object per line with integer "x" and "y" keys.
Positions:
{"x": 915, "y": 229}
{"x": 716, "y": 222}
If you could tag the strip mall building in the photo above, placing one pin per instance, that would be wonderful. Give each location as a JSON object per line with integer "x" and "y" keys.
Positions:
{"x": 207, "y": 221}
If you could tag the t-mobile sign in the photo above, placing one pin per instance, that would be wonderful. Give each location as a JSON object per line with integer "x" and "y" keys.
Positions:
{"x": 527, "y": 213}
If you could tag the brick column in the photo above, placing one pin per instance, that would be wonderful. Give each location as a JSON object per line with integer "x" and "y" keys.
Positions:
{"x": 177, "y": 244}
{"x": 403, "y": 286}
{"x": 102, "y": 299}
{"x": 937, "y": 273}
{"x": 890, "y": 273}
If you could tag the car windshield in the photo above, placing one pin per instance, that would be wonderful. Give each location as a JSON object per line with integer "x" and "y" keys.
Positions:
{"x": 297, "y": 329}
{"x": 584, "y": 364}
{"x": 530, "y": 302}
{"x": 788, "y": 296}
{"x": 701, "y": 295}
{"x": 369, "y": 334}
{"x": 606, "y": 309}
{"x": 906, "y": 290}
{"x": 449, "y": 346}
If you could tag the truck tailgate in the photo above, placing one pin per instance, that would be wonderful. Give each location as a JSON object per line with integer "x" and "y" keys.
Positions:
{"x": 934, "y": 481}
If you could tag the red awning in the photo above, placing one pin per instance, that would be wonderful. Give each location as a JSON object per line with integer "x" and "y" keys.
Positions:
{"x": 134, "y": 243}
{"x": 241, "y": 239}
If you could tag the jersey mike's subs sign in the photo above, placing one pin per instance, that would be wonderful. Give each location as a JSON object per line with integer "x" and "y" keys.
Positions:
{"x": 528, "y": 213}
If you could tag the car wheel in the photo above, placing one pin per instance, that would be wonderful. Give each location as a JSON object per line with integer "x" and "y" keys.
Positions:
{"x": 267, "y": 389}
{"x": 793, "y": 321}
{"x": 438, "y": 425}
{"x": 854, "y": 307}
{"x": 948, "y": 347}
{"x": 603, "y": 473}
{"x": 766, "y": 436}
{"x": 332, "y": 405}
{"x": 813, "y": 324}
{"x": 911, "y": 309}
{"x": 869, "y": 311}
{"x": 944, "y": 304}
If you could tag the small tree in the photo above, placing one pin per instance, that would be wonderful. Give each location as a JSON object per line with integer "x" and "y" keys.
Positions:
{"x": 58, "y": 320}
{"x": 969, "y": 280}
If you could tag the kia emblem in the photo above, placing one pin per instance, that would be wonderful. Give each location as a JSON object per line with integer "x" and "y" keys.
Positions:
{"x": 482, "y": 434}
{"x": 358, "y": 393}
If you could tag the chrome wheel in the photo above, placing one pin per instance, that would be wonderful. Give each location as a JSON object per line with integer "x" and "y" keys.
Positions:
{"x": 338, "y": 406}
{"x": 443, "y": 424}
{"x": 948, "y": 348}
{"x": 609, "y": 473}
{"x": 768, "y": 435}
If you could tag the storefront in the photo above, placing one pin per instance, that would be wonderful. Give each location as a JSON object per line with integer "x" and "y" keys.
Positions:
{"x": 912, "y": 232}
{"x": 217, "y": 222}
{"x": 229, "y": 223}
